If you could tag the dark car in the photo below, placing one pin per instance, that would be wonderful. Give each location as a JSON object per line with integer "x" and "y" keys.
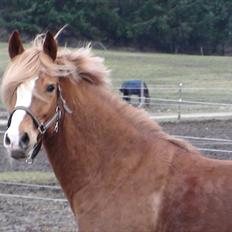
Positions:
{"x": 135, "y": 87}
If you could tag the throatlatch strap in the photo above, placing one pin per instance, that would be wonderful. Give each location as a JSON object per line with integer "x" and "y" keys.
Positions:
{"x": 34, "y": 153}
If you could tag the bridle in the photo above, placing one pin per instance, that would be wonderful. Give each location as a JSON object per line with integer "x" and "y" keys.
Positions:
{"x": 42, "y": 127}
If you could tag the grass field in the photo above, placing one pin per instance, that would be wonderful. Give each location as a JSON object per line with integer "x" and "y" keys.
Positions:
{"x": 169, "y": 69}
{"x": 4, "y": 59}
{"x": 199, "y": 74}
{"x": 28, "y": 177}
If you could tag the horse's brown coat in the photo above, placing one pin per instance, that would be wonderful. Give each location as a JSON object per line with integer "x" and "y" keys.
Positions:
{"x": 122, "y": 173}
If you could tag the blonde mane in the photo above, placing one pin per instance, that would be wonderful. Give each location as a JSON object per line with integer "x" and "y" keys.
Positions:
{"x": 75, "y": 64}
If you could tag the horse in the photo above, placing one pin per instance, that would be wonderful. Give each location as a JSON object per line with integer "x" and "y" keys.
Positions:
{"x": 118, "y": 169}
{"x": 135, "y": 87}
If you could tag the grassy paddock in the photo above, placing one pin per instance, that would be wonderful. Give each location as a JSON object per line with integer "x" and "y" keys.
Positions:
{"x": 4, "y": 59}
{"x": 28, "y": 177}
{"x": 204, "y": 78}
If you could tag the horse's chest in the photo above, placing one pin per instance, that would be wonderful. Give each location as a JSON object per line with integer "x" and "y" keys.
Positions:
{"x": 121, "y": 213}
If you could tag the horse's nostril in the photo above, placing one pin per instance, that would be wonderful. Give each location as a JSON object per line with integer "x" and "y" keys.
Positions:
{"x": 24, "y": 141}
{"x": 7, "y": 140}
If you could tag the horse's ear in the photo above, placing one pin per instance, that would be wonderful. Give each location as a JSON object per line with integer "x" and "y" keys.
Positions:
{"x": 15, "y": 46}
{"x": 50, "y": 46}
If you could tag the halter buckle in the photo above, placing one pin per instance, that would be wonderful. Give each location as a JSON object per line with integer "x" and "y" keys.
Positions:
{"x": 42, "y": 129}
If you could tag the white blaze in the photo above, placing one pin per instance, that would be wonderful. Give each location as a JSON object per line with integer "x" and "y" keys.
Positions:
{"x": 23, "y": 98}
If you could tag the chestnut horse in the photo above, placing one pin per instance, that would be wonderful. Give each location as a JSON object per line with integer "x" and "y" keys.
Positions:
{"x": 120, "y": 172}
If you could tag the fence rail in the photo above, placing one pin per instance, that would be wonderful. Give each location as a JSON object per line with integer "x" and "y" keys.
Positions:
{"x": 179, "y": 99}
{"x": 39, "y": 186}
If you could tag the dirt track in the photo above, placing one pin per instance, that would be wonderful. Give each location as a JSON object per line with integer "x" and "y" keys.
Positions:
{"x": 37, "y": 215}
{"x": 18, "y": 215}
{"x": 221, "y": 129}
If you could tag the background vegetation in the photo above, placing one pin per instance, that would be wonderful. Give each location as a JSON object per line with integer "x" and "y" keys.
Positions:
{"x": 186, "y": 26}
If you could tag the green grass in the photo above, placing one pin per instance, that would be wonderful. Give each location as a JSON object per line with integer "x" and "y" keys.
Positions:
{"x": 4, "y": 59}
{"x": 28, "y": 177}
{"x": 169, "y": 69}
{"x": 204, "y": 78}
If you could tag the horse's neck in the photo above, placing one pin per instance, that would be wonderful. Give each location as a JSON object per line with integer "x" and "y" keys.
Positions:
{"x": 91, "y": 142}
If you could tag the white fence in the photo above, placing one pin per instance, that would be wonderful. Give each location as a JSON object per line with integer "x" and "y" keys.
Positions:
{"x": 180, "y": 100}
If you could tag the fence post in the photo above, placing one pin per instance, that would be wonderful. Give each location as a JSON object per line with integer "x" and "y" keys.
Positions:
{"x": 141, "y": 99}
{"x": 180, "y": 101}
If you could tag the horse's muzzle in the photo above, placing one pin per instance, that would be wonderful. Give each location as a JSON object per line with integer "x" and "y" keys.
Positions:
{"x": 18, "y": 154}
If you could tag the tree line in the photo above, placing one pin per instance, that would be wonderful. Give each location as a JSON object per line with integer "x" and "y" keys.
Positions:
{"x": 177, "y": 26}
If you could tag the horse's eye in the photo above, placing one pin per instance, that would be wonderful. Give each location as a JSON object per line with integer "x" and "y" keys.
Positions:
{"x": 50, "y": 88}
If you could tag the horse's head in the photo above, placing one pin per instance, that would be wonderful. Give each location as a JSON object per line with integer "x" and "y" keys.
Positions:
{"x": 34, "y": 104}
{"x": 31, "y": 89}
